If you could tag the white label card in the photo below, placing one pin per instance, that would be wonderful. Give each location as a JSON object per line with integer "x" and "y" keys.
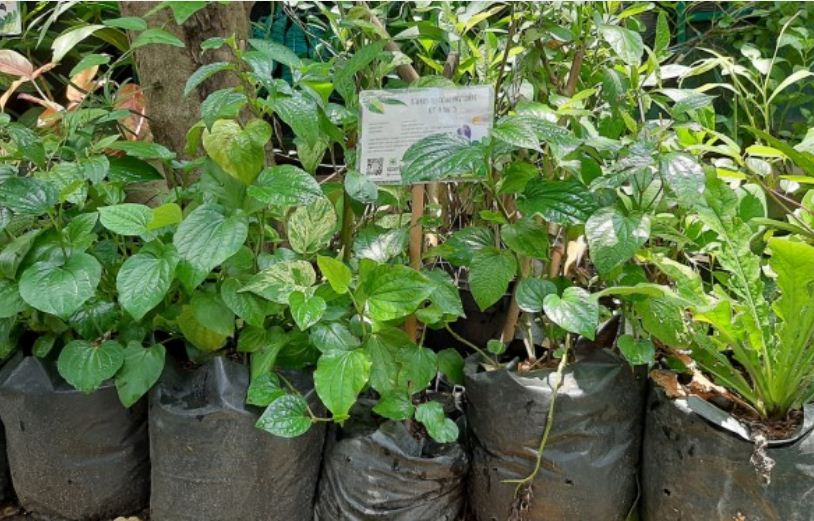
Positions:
{"x": 393, "y": 120}
{"x": 11, "y": 22}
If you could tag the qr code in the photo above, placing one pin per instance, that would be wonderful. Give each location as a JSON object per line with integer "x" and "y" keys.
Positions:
{"x": 375, "y": 166}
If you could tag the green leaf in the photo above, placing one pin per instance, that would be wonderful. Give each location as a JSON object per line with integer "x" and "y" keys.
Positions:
{"x": 43, "y": 345}
{"x": 380, "y": 245}
{"x": 238, "y": 151}
{"x": 336, "y": 273}
{"x": 285, "y": 185}
{"x": 204, "y": 73}
{"x": 445, "y": 293}
{"x": 526, "y": 237}
{"x": 182, "y": 11}
{"x": 301, "y": 114}
{"x": 306, "y": 310}
{"x": 61, "y": 287}
{"x": 130, "y": 23}
{"x": 662, "y": 40}
{"x": 264, "y": 389}
{"x": 12, "y": 255}
{"x": 419, "y": 366}
{"x": 637, "y": 351}
{"x": 222, "y": 104}
{"x": 207, "y": 237}
{"x": 94, "y": 319}
{"x": 142, "y": 150}
{"x": 613, "y": 237}
{"x": 490, "y": 274}
{"x": 198, "y": 334}
{"x": 396, "y": 406}
{"x": 360, "y": 187}
{"x": 250, "y": 308}
{"x": 132, "y": 170}
{"x": 65, "y": 42}
{"x": 531, "y": 294}
{"x": 439, "y": 157}
{"x": 683, "y": 176}
{"x": 141, "y": 369}
{"x": 496, "y": 347}
{"x": 10, "y": 301}
{"x": 167, "y": 214}
{"x": 626, "y": 44}
{"x": 788, "y": 81}
{"x": 339, "y": 378}
{"x": 126, "y": 219}
{"x": 145, "y": 278}
{"x": 88, "y": 61}
{"x": 439, "y": 427}
{"x": 451, "y": 365}
{"x": 575, "y": 311}
{"x": 86, "y": 366}
{"x": 155, "y": 36}
{"x": 277, "y": 53}
{"x": 360, "y": 60}
{"x": 286, "y": 417}
{"x": 793, "y": 262}
{"x": 278, "y": 281}
{"x": 209, "y": 309}
{"x": 27, "y": 196}
{"x": 463, "y": 244}
{"x": 394, "y": 291}
{"x": 514, "y": 131}
{"x": 264, "y": 359}
{"x": 334, "y": 336}
{"x": 311, "y": 227}
{"x": 561, "y": 202}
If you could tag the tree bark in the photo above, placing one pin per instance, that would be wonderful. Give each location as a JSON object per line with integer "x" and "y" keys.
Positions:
{"x": 163, "y": 69}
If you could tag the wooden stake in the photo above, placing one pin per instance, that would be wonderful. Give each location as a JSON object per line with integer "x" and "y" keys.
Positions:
{"x": 407, "y": 73}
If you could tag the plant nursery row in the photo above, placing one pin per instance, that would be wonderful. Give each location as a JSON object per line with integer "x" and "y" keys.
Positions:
{"x": 407, "y": 261}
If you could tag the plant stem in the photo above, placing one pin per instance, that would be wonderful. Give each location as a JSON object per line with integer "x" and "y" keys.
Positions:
{"x": 549, "y": 422}
{"x": 492, "y": 361}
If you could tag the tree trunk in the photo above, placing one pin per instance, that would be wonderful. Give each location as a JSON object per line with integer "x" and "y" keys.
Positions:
{"x": 163, "y": 69}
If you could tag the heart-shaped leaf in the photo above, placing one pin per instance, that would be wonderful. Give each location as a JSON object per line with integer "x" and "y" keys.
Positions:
{"x": 575, "y": 311}
{"x": 287, "y": 417}
{"x": 339, "y": 378}
{"x": 613, "y": 237}
{"x": 141, "y": 369}
{"x": 58, "y": 287}
{"x": 306, "y": 310}
{"x": 86, "y": 366}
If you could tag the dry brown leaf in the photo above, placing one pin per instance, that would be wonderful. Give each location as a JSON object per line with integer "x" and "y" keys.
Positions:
{"x": 15, "y": 64}
{"x": 81, "y": 85}
{"x": 668, "y": 381}
{"x": 7, "y": 95}
{"x": 131, "y": 97}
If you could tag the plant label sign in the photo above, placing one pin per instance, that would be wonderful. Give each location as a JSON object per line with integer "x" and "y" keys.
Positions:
{"x": 11, "y": 21}
{"x": 393, "y": 120}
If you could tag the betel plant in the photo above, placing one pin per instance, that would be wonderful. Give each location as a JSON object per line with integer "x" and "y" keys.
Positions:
{"x": 63, "y": 247}
{"x": 251, "y": 244}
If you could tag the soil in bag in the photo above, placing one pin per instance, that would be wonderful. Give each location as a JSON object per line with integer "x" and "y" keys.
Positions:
{"x": 213, "y": 464}
{"x": 591, "y": 458}
{"x": 390, "y": 474}
{"x": 72, "y": 456}
{"x": 702, "y": 469}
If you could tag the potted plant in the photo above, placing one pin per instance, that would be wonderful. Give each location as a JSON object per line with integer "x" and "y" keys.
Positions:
{"x": 733, "y": 386}
{"x": 76, "y": 429}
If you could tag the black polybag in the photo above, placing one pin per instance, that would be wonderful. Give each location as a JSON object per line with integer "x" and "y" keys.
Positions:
{"x": 695, "y": 470}
{"x": 211, "y": 463}
{"x": 389, "y": 475}
{"x": 72, "y": 455}
{"x": 591, "y": 459}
